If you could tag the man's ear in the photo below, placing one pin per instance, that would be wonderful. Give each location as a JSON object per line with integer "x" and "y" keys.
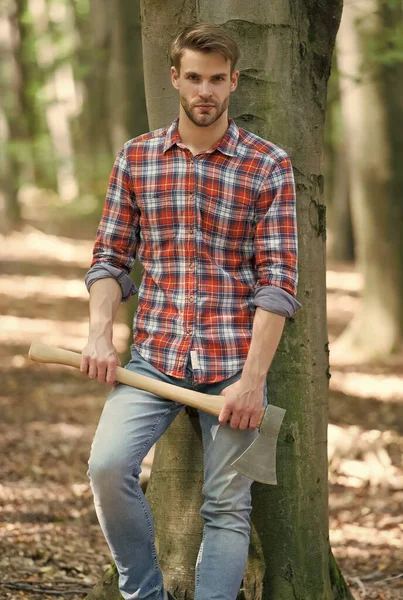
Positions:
{"x": 234, "y": 80}
{"x": 175, "y": 78}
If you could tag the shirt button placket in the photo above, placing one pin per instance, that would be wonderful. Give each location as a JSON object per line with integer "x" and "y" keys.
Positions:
{"x": 190, "y": 274}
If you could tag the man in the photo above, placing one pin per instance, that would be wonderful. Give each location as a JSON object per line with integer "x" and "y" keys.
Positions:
{"x": 210, "y": 210}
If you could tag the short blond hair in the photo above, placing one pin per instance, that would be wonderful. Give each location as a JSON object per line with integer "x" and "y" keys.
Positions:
{"x": 204, "y": 37}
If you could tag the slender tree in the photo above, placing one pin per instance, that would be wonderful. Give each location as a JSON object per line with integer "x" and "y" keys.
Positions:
{"x": 14, "y": 135}
{"x": 285, "y": 64}
{"x": 371, "y": 100}
{"x": 336, "y": 166}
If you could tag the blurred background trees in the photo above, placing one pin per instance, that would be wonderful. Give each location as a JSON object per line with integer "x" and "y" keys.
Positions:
{"x": 369, "y": 59}
{"x": 72, "y": 92}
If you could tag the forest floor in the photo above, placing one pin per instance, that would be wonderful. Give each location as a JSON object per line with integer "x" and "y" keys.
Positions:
{"x": 50, "y": 542}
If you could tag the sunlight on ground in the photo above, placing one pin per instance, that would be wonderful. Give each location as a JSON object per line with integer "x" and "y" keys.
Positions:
{"x": 44, "y": 286}
{"x": 31, "y": 245}
{"x": 22, "y": 492}
{"x": 72, "y": 335}
{"x": 365, "y": 535}
{"x": 342, "y": 306}
{"x": 351, "y": 282}
{"x": 359, "y": 458}
{"x": 384, "y": 388}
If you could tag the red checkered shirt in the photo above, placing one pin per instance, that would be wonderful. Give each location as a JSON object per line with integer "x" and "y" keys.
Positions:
{"x": 216, "y": 235}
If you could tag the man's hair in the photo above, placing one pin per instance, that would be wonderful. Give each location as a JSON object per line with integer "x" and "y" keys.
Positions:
{"x": 204, "y": 37}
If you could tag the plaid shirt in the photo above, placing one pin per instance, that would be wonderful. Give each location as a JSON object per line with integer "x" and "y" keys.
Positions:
{"x": 216, "y": 235}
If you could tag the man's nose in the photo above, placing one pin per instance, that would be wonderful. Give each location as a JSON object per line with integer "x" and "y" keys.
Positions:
{"x": 205, "y": 89}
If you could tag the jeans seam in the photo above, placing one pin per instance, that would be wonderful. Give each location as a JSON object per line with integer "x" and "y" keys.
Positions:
{"x": 147, "y": 441}
{"x": 150, "y": 437}
{"x": 199, "y": 559}
{"x": 150, "y": 530}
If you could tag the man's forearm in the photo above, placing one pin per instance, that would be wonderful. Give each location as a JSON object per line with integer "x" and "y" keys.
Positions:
{"x": 266, "y": 334}
{"x": 105, "y": 297}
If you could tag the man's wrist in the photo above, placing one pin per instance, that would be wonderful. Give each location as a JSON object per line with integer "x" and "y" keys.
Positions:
{"x": 100, "y": 329}
{"x": 252, "y": 377}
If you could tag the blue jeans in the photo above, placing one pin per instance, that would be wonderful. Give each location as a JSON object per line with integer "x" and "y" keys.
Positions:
{"x": 131, "y": 422}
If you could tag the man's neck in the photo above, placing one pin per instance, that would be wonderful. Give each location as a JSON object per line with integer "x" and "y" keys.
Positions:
{"x": 198, "y": 139}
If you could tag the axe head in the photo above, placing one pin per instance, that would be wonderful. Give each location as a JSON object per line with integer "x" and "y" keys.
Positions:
{"x": 258, "y": 462}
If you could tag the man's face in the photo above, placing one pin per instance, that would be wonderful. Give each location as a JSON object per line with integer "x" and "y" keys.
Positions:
{"x": 204, "y": 84}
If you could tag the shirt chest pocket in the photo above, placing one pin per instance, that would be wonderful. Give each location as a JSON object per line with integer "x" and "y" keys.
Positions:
{"x": 226, "y": 222}
{"x": 160, "y": 215}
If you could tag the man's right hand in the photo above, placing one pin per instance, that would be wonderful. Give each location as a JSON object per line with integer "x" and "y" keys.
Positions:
{"x": 99, "y": 360}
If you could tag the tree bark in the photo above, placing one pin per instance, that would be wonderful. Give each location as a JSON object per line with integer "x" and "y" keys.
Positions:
{"x": 285, "y": 64}
{"x": 371, "y": 107}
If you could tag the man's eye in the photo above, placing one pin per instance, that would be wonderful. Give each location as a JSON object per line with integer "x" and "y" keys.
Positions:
{"x": 218, "y": 78}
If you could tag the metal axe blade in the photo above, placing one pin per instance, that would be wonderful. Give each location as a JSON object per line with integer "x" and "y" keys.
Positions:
{"x": 258, "y": 462}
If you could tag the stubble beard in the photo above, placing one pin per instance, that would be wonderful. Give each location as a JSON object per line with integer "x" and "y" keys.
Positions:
{"x": 205, "y": 119}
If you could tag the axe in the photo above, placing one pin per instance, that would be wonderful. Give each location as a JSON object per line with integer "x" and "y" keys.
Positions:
{"x": 257, "y": 462}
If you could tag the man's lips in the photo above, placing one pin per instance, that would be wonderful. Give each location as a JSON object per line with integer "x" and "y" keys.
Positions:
{"x": 205, "y": 105}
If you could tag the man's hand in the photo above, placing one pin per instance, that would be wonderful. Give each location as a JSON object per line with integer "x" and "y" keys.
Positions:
{"x": 243, "y": 405}
{"x": 99, "y": 360}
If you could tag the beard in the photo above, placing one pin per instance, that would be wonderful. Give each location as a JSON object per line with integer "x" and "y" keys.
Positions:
{"x": 204, "y": 119}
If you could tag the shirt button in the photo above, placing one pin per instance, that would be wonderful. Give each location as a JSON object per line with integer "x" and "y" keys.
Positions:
{"x": 191, "y": 299}
{"x": 191, "y": 266}
{"x": 189, "y": 332}
{"x": 191, "y": 231}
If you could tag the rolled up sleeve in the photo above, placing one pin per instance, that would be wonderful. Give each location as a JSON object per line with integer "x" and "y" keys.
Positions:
{"x": 118, "y": 231}
{"x": 276, "y": 243}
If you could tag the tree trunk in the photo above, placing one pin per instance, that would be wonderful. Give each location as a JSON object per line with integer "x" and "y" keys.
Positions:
{"x": 285, "y": 64}
{"x": 336, "y": 166}
{"x": 341, "y": 223}
{"x": 114, "y": 108}
{"x": 367, "y": 96}
{"x": 14, "y": 139}
{"x": 39, "y": 158}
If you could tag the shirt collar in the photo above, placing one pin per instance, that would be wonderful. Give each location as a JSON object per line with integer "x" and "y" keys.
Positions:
{"x": 227, "y": 145}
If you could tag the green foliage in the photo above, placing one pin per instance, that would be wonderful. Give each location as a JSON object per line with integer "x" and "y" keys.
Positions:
{"x": 387, "y": 49}
{"x": 82, "y": 7}
{"x": 333, "y": 134}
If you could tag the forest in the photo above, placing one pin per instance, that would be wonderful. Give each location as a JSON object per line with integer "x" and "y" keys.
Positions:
{"x": 321, "y": 79}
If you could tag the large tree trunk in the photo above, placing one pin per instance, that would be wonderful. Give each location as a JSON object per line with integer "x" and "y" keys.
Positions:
{"x": 285, "y": 64}
{"x": 369, "y": 99}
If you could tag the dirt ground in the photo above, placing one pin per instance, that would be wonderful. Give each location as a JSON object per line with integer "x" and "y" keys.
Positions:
{"x": 50, "y": 542}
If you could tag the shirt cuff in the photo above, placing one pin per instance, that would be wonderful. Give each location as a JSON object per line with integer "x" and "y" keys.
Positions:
{"x": 276, "y": 300}
{"x": 104, "y": 270}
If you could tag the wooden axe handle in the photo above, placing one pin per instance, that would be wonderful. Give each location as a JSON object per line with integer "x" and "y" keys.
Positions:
{"x": 40, "y": 352}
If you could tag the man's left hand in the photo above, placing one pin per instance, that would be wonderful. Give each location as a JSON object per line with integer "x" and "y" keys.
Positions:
{"x": 243, "y": 405}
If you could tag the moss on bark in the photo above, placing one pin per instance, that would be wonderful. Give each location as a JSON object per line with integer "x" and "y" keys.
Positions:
{"x": 340, "y": 589}
{"x": 107, "y": 587}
